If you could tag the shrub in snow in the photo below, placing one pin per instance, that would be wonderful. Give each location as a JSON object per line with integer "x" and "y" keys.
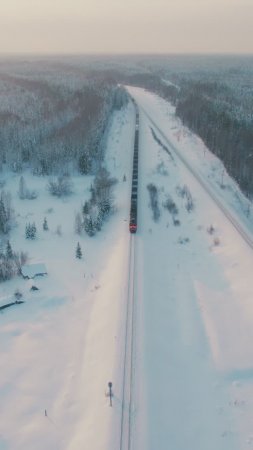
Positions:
{"x": 153, "y": 195}
{"x": 176, "y": 222}
{"x": 60, "y": 187}
{"x": 183, "y": 240}
{"x": 171, "y": 206}
{"x": 25, "y": 193}
{"x": 18, "y": 294}
{"x": 211, "y": 229}
{"x": 34, "y": 288}
{"x": 45, "y": 224}
{"x": 160, "y": 168}
{"x": 31, "y": 195}
{"x": 216, "y": 241}
{"x": 58, "y": 230}
{"x": 184, "y": 192}
{"x": 78, "y": 251}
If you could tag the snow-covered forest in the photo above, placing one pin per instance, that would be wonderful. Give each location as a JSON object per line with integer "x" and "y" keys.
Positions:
{"x": 52, "y": 117}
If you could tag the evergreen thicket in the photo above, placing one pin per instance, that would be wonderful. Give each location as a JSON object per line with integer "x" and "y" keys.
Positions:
{"x": 30, "y": 231}
{"x": 10, "y": 262}
{"x": 100, "y": 206}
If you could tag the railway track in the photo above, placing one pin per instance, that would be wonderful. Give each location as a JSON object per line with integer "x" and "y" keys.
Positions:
{"x": 126, "y": 425}
{"x": 238, "y": 226}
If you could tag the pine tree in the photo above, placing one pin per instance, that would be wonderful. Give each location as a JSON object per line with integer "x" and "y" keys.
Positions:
{"x": 89, "y": 226}
{"x": 9, "y": 252}
{"x": 78, "y": 251}
{"x": 30, "y": 231}
{"x": 45, "y": 224}
{"x": 3, "y": 217}
{"x": 86, "y": 208}
{"x": 78, "y": 224}
{"x": 33, "y": 231}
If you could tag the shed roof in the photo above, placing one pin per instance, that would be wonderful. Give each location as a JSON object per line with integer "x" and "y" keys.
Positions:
{"x": 31, "y": 270}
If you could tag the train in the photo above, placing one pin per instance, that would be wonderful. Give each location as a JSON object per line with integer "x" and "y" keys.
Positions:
{"x": 134, "y": 189}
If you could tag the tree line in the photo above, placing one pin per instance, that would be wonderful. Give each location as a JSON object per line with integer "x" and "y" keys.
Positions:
{"x": 229, "y": 135}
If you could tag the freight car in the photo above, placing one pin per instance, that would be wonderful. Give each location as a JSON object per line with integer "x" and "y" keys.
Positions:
{"x": 134, "y": 191}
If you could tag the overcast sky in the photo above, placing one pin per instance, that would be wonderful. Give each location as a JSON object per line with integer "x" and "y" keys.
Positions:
{"x": 126, "y": 26}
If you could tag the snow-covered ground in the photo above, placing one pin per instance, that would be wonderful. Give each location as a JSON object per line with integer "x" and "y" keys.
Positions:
{"x": 194, "y": 318}
{"x": 60, "y": 348}
{"x": 196, "y": 297}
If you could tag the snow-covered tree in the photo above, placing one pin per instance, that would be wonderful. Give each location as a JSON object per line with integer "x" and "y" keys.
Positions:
{"x": 78, "y": 223}
{"x": 9, "y": 252}
{"x": 86, "y": 208}
{"x": 89, "y": 226}
{"x": 10, "y": 263}
{"x": 30, "y": 231}
{"x": 3, "y": 218}
{"x": 6, "y": 212}
{"x": 78, "y": 251}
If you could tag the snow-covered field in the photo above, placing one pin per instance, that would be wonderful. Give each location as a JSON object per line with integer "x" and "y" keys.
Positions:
{"x": 193, "y": 384}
